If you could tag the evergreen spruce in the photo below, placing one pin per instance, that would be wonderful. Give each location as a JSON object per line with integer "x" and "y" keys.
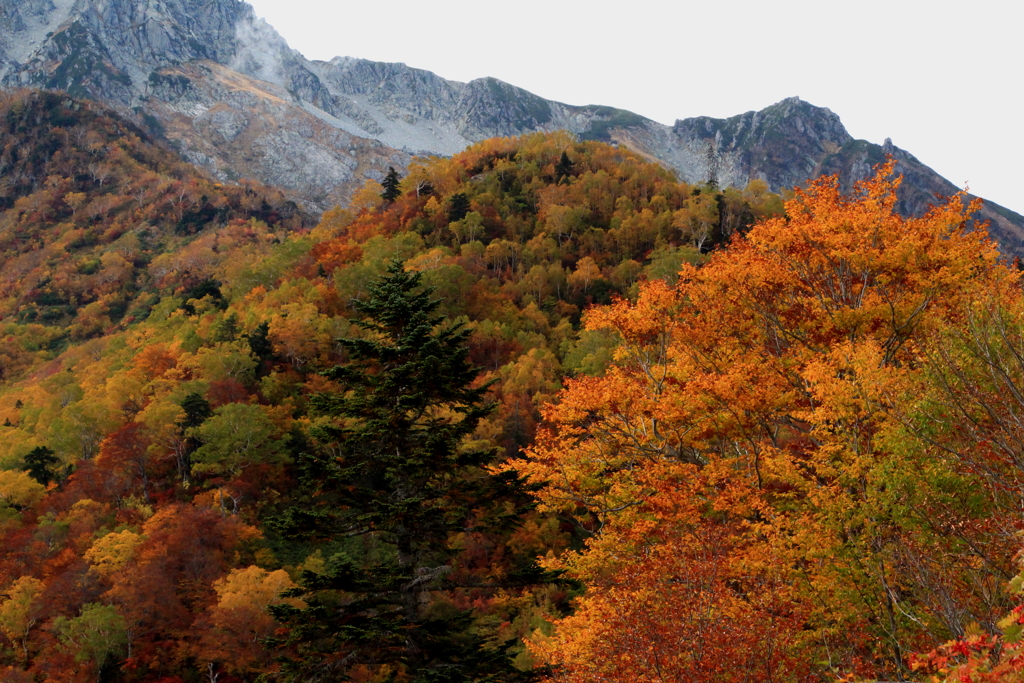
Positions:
{"x": 390, "y": 184}
{"x": 197, "y": 410}
{"x": 564, "y": 168}
{"x": 458, "y": 207}
{"x": 259, "y": 341}
{"x": 389, "y": 487}
{"x": 226, "y": 329}
{"x": 40, "y": 463}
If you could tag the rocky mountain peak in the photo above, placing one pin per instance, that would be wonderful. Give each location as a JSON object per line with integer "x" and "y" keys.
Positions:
{"x": 782, "y": 144}
{"x": 107, "y": 49}
{"x": 226, "y": 89}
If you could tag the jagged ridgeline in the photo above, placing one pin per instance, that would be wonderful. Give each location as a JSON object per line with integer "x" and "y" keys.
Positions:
{"x": 164, "y": 390}
{"x": 229, "y": 92}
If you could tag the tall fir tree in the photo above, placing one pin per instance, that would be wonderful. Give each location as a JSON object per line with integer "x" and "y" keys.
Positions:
{"x": 197, "y": 410}
{"x": 41, "y": 464}
{"x": 564, "y": 168}
{"x": 390, "y": 185}
{"x": 458, "y": 207}
{"x": 390, "y": 485}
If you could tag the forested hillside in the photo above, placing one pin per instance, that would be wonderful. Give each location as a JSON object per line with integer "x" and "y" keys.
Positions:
{"x": 91, "y": 214}
{"x": 536, "y": 411}
{"x": 167, "y": 339}
{"x": 817, "y": 433}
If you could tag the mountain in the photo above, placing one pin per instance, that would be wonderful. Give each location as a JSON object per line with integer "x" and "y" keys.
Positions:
{"x": 97, "y": 223}
{"x": 224, "y": 87}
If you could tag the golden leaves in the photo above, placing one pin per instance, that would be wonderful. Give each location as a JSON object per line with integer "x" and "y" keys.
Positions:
{"x": 19, "y": 490}
{"x": 110, "y": 553}
{"x": 754, "y": 401}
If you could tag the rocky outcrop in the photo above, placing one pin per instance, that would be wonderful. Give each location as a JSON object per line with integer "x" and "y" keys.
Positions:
{"x": 225, "y": 88}
{"x": 793, "y": 141}
{"x": 237, "y": 126}
{"x": 782, "y": 144}
{"x": 216, "y": 81}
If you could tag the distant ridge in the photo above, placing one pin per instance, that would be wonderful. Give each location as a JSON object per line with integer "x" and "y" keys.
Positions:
{"x": 225, "y": 88}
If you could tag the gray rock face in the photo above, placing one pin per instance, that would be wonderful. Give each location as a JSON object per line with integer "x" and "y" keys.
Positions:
{"x": 224, "y": 87}
{"x": 221, "y": 84}
{"x": 782, "y": 144}
{"x": 791, "y": 142}
{"x": 422, "y": 113}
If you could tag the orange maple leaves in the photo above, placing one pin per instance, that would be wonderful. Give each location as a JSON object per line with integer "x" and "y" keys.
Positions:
{"x": 761, "y": 403}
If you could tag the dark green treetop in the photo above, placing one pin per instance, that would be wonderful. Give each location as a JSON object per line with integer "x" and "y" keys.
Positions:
{"x": 564, "y": 168}
{"x": 197, "y": 410}
{"x": 458, "y": 206}
{"x": 390, "y": 185}
{"x": 391, "y": 484}
{"x": 40, "y": 463}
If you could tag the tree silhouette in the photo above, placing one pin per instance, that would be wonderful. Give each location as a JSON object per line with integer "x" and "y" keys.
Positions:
{"x": 403, "y": 483}
{"x": 390, "y": 184}
{"x": 39, "y": 463}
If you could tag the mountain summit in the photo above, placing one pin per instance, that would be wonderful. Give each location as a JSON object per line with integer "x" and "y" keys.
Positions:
{"x": 224, "y": 87}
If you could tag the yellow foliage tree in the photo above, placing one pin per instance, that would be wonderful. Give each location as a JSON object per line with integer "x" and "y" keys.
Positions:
{"x": 240, "y": 621}
{"x": 113, "y": 551}
{"x": 18, "y": 611}
{"x": 19, "y": 490}
{"x": 754, "y": 425}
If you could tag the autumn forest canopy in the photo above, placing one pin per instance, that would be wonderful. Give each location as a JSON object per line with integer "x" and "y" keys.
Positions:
{"x": 536, "y": 412}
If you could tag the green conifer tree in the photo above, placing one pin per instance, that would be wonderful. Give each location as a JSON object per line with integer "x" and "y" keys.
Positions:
{"x": 197, "y": 410}
{"x": 261, "y": 347}
{"x": 564, "y": 168}
{"x": 458, "y": 207}
{"x": 390, "y": 184}
{"x": 40, "y": 463}
{"x": 389, "y": 487}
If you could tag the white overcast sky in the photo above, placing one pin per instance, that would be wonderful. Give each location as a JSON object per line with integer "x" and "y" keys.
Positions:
{"x": 942, "y": 79}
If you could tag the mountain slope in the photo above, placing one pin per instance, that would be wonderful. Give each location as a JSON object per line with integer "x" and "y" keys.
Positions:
{"x": 791, "y": 141}
{"x": 97, "y": 223}
{"x": 201, "y": 73}
{"x": 226, "y": 88}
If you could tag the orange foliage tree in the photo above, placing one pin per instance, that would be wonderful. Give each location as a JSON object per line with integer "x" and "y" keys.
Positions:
{"x": 751, "y": 469}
